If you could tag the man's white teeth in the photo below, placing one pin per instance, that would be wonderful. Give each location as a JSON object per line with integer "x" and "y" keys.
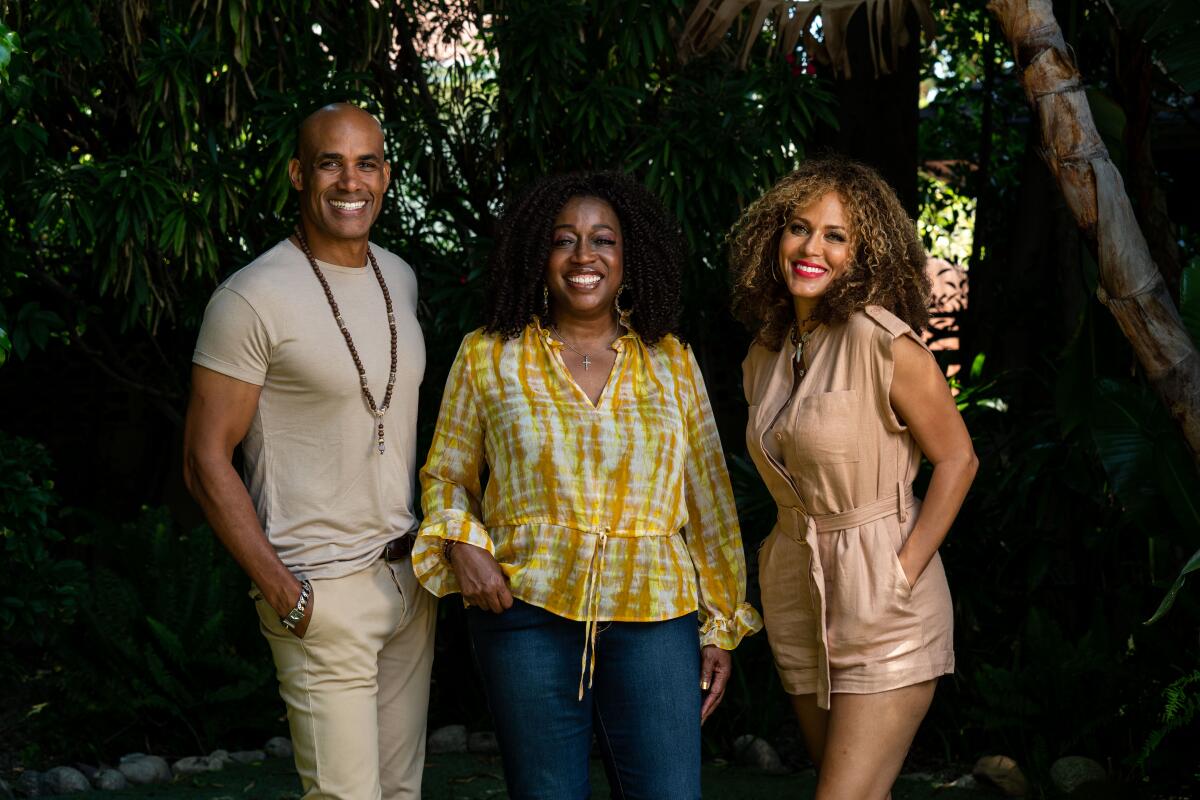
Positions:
{"x": 355, "y": 206}
{"x": 584, "y": 280}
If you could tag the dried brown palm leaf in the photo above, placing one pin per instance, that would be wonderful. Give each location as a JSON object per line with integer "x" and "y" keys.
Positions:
{"x": 711, "y": 20}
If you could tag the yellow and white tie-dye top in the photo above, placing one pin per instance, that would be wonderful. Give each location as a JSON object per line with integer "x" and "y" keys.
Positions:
{"x": 616, "y": 511}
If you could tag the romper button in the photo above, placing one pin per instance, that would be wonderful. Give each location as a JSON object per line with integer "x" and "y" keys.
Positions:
{"x": 779, "y": 437}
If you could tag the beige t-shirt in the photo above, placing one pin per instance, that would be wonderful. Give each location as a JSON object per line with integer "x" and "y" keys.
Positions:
{"x": 326, "y": 498}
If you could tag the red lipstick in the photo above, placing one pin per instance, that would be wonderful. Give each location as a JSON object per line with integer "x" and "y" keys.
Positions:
{"x": 801, "y": 269}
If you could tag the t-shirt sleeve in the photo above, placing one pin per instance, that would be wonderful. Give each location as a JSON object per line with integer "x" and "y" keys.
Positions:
{"x": 233, "y": 339}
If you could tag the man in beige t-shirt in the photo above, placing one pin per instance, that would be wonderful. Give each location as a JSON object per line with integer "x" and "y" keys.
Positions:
{"x": 310, "y": 358}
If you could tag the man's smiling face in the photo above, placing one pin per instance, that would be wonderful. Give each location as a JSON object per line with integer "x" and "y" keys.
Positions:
{"x": 341, "y": 174}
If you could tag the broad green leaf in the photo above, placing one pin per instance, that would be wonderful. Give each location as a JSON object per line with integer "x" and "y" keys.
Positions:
{"x": 20, "y": 343}
{"x": 1168, "y": 600}
{"x": 10, "y": 43}
{"x": 1179, "y": 482}
{"x": 1171, "y": 30}
{"x": 1125, "y": 445}
{"x": 977, "y": 367}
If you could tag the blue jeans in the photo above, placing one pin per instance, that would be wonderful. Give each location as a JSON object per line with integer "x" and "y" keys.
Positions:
{"x": 643, "y": 707}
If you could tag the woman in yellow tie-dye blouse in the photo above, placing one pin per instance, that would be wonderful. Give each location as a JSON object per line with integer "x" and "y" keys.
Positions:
{"x": 576, "y": 495}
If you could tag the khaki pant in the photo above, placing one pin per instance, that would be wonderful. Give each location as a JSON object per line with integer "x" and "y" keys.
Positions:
{"x": 357, "y": 685}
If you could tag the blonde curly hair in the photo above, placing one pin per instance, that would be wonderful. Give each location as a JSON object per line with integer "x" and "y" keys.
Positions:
{"x": 887, "y": 264}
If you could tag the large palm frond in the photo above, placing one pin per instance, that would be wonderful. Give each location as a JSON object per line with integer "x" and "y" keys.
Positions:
{"x": 1171, "y": 31}
{"x": 792, "y": 20}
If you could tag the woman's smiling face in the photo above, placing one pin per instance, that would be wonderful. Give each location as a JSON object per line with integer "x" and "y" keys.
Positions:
{"x": 586, "y": 261}
{"x": 814, "y": 250}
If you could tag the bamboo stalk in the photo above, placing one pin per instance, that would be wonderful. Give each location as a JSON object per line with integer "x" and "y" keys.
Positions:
{"x": 1131, "y": 286}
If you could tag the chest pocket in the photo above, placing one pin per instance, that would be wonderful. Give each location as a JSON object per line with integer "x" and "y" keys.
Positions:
{"x": 825, "y": 429}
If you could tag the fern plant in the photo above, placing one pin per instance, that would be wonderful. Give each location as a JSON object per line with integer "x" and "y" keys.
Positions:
{"x": 176, "y": 628}
{"x": 1181, "y": 708}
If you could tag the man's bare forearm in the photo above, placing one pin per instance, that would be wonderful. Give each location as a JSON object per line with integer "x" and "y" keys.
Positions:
{"x": 219, "y": 490}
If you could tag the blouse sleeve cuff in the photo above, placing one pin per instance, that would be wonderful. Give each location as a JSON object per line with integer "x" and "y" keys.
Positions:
{"x": 727, "y": 632}
{"x": 429, "y": 562}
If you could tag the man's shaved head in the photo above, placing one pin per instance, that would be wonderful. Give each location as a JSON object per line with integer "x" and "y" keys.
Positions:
{"x": 315, "y": 123}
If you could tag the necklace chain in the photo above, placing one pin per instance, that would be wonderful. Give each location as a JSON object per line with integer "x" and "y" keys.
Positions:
{"x": 379, "y": 410}
{"x": 587, "y": 360}
{"x": 799, "y": 340}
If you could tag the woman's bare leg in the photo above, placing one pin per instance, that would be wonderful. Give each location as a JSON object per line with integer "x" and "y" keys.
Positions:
{"x": 866, "y": 740}
{"x": 813, "y": 724}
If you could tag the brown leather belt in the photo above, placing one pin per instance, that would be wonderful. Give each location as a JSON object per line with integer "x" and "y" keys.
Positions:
{"x": 401, "y": 548}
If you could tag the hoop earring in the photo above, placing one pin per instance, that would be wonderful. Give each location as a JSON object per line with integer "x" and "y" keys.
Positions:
{"x": 775, "y": 273}
{"x": 623, "y": 314}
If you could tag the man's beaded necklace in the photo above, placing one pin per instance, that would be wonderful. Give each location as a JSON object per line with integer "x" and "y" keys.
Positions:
{"x": 380, "y": 410}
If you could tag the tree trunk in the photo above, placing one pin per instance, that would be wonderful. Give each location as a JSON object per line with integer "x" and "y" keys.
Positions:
{"x": 1130, "y": 284}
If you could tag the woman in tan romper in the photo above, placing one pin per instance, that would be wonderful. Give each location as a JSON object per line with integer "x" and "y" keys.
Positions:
{"x": 844, "y": 400}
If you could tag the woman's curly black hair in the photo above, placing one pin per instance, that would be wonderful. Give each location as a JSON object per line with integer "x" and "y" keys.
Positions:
{"x": 653, "y": 253}
{"x": 887, "y": 265}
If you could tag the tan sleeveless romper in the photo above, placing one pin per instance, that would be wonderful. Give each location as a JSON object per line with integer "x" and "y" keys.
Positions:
{"x": 839, "y": 613}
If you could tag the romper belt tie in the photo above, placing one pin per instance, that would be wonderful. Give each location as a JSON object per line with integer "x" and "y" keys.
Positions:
{"x": 802, "y": 527}
{"x": 593, "y": 584}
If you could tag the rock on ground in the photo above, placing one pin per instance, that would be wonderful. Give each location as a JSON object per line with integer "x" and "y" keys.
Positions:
{"x": 278, "y": 747}
{"x": 109, "y": 780}
{"x": 247, "y": 756}
{"x": 29, "y": 784}
{"x": 65, "y": 780}
{"x": 195, "y": 765}
{"x": 88, "y": 770}
{"x": 925, "y": 777}
{"x": 1071, "y": 772}
{"x": 140, "y": 769}
{"x": 448, "y": 739}
{"x": 964, "y": 782}
{"x": 220, "y": 757}
{"x": 755, "y": 752}
{"x": 1003, "y": 773}
{"x": 483, "y": 742}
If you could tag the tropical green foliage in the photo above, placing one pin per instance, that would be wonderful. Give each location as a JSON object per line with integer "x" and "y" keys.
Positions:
{"x": 1170, "y": 30}
{"x": 162, "y": 641}
{"x": 9, "y": 44}
{"x": 1181, "y": 708}
{"x": 182, "y": 650}
{"x": 1178, "y": 474}
{"x": 1084, "y": 508}
{"x": 947, "y": 220}
{"x": 153, "y": 144}
{"x": 40, "y": 594}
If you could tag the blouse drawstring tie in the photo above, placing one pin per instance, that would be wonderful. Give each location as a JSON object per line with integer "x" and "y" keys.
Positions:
{"x": 595, "y": 577}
